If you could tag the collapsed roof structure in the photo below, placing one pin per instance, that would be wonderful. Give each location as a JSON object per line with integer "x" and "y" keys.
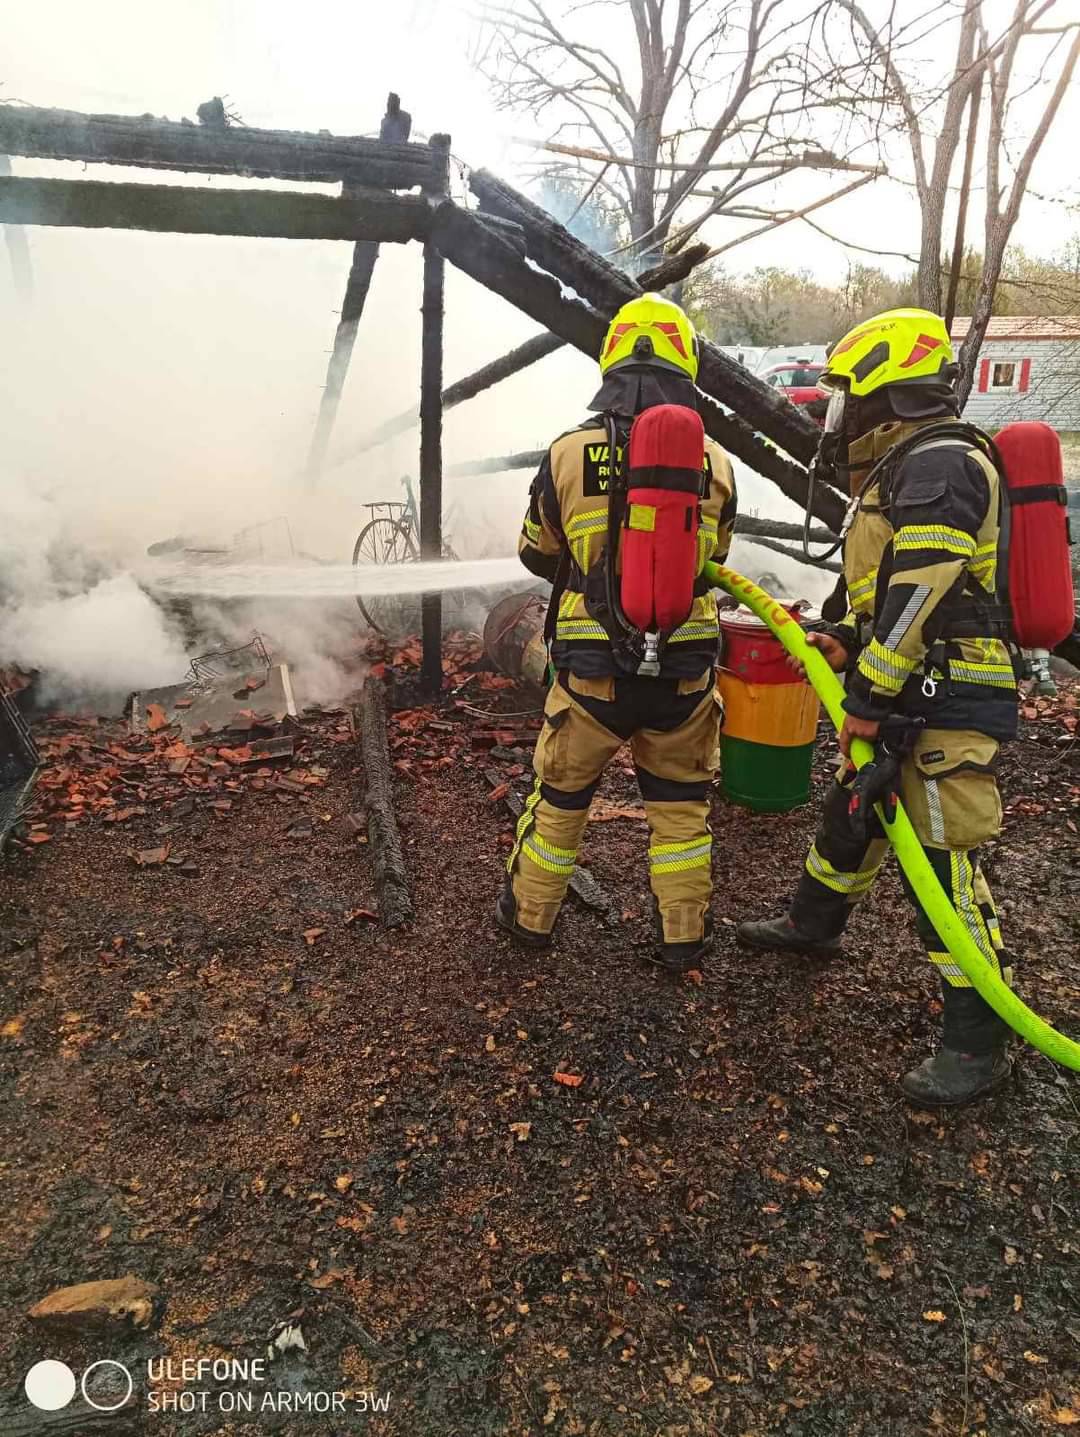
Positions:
{"x": 392, "y": 192}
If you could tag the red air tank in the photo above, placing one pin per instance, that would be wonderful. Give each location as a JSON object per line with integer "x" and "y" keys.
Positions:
{"x": 1040, "y": 571}
{"x": 658, "y": 549}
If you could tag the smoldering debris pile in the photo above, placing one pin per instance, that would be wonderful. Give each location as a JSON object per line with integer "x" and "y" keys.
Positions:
{"x": 159, "y": 764}
{"x": 94, "y": 769}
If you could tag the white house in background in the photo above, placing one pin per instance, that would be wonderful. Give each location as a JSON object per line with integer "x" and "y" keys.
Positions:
{"x": 1028, "y": 368}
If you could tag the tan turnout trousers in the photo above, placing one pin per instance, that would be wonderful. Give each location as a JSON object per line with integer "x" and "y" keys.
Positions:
{"x": 673, "y": 728}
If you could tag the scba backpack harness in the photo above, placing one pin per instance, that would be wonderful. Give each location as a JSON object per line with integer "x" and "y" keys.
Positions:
{"x": 1034, "y": 606}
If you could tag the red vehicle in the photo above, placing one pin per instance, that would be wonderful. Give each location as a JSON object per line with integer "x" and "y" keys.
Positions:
{"x": 797, "y": 379}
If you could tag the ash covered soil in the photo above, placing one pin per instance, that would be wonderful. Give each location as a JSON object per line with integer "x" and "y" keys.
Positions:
{"x": 720, "y": 1216}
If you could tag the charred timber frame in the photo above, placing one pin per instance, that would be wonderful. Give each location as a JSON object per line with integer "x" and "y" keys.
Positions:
{"x": 431, "y": 416}
{"x": 551, "y": 245}
{"x": 670, "y": 272}
{"x": 365, "y": 253}
{"x": 490, "y": 258}
{"x": 180, "y": 209}
{"x": 169, "y": 145}
{"x": 468, "y": 388}
{"x": 493, "y": 251}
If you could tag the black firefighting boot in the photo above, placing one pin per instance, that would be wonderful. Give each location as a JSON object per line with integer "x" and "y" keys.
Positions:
{"x": 781, "y": 936}
{"x": 972, "y": 1061}
{"x": 506, "y": 917}
{"x": 683, "y": 957}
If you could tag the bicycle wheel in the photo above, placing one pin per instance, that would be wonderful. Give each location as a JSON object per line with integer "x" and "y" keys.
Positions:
{"x": 385, "y": 541}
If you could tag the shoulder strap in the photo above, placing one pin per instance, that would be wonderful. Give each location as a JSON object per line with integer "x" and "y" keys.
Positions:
{"x": 616, "y": 511}
{"x": 558, "y": 588}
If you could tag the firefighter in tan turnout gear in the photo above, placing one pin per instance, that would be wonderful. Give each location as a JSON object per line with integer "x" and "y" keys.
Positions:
{"x": 930, "y": 677}
{"x": 607, "y": 689}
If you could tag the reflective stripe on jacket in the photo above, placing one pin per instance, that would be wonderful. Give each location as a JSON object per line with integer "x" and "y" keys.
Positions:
{"x": 920, "y": 562}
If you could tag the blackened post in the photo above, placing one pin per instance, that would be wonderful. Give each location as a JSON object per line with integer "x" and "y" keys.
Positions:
{"x": 365, "y": 253}
{"x": 431, "y": 407}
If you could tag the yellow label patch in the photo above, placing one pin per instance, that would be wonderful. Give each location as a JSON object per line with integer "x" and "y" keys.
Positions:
{"x": 642, "y": 516}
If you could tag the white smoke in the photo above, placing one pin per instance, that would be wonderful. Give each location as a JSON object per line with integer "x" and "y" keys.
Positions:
{"x": 162, "y": 385}
{"x": 106, "y": 641}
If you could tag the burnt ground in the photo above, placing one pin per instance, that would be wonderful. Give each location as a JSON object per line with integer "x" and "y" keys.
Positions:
{"x": 731, "y": 1224}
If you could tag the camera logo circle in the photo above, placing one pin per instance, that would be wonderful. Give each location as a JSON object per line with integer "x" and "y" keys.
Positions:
{"x": 50, "y": 1385}
{"x": 110, "y": 1389}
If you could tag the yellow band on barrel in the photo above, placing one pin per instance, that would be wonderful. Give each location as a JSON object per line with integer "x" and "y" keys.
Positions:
{"x": 781, "y": 715}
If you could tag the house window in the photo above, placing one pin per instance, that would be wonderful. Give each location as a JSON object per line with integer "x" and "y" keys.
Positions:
{"x": 1004, "y": 376}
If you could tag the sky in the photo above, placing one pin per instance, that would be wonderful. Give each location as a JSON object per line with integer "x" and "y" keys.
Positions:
{"x": 312, "y": 66}
{"x": 159, "y": 384}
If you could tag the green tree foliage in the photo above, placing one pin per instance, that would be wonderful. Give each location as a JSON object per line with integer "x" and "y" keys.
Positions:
{"x": 775, "y": 306}
{"x": 1029, "y": 284}
{"x": 781, "y": 306}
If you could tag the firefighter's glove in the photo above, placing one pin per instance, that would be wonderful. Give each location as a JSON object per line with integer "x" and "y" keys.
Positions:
{"x": 876, "y": 782}
{"x": 879, "y": 780}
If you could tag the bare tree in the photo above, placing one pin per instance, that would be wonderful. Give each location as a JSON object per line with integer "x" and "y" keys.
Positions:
{"x": 931, "y": 120}
{"x": 1003, "y": 199}
{"x": 932, "y": 162}
{"x": 718, "y": 106}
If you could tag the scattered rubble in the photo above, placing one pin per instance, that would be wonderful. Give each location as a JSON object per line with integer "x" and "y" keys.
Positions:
{"x": 488, "y": 1180}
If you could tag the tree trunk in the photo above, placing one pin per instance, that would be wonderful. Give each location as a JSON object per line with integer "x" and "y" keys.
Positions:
{"x": 957, "y": 264}
{"x": 999, "y": 223}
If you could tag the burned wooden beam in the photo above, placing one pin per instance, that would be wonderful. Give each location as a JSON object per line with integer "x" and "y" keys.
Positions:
{"x": 468, "y": 388}
{"x": 394, "y": 128}
{"x": 779, "y": 529}
{"x": 142, "y": 140}
{"x": 471, "y": 246}
{"x": 384, "y": 840}
{"x": 606, "y": 287}
{"x": 178, "y": 209}
{"x": 365, "y": 253}
{"x": 431, "y": 418}
{"x": 527, "y": 459}
{"x": 672, "y": 271}
{"x": 830, "y": 565}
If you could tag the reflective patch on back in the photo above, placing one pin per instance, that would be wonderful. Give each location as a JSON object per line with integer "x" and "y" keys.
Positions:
{"x": 596, "y": 468}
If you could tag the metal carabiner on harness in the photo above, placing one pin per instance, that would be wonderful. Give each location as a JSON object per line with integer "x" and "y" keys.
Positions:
{"x": 929, "y": 686}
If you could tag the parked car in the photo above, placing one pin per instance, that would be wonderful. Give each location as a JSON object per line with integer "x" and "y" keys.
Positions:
{"x": 798, "y": 381}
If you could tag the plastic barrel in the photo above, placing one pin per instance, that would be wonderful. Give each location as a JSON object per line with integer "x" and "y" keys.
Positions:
{"x": 770, "y": 720}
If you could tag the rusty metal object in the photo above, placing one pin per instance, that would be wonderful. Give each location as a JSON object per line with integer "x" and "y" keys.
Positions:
{"x": 514, "y": 637}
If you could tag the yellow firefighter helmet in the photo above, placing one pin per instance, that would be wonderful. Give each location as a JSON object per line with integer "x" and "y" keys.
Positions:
{"x": 901, "y": 346}
{"x": 651, "y": 330}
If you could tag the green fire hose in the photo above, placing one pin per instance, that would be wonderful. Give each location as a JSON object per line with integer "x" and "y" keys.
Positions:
{"x": 909, "y": 851}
